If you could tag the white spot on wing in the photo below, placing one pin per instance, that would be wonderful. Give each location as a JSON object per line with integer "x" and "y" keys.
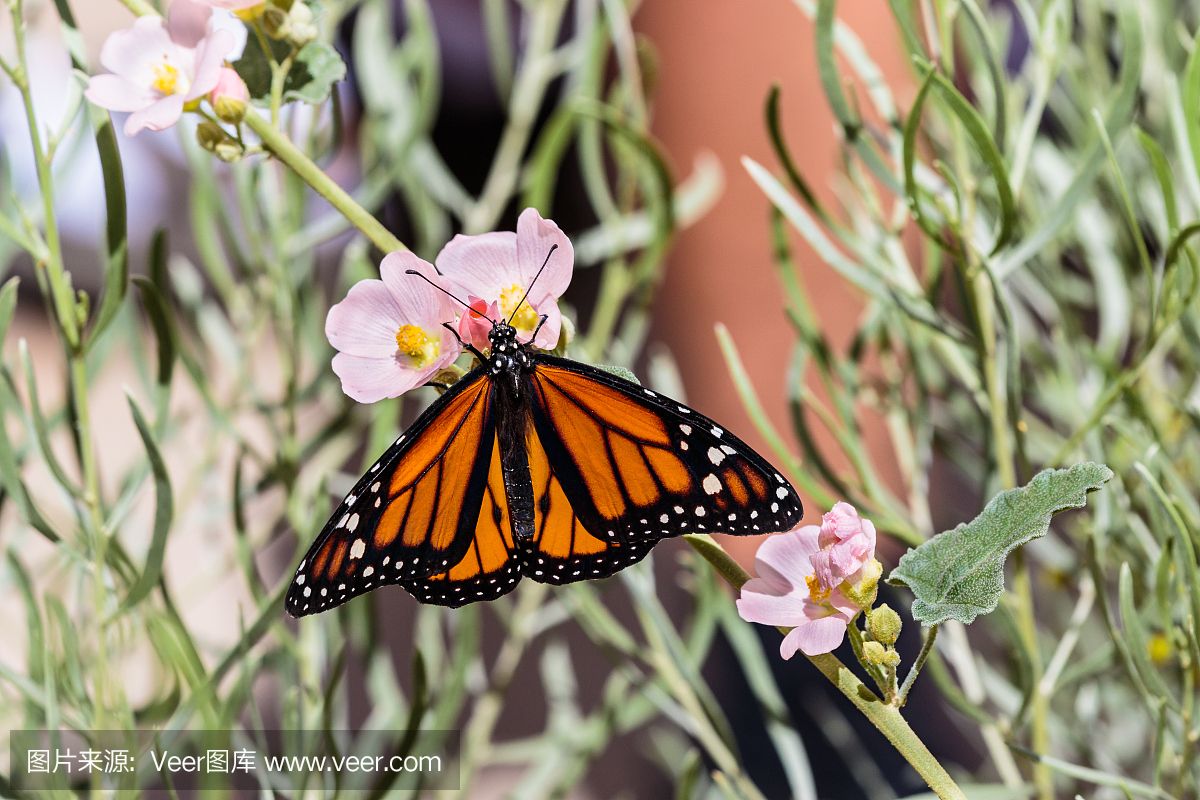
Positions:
{"x": 717, "y": 431}
{"x": 687, "y": 429}
{"x": 699, "y": 511}
{"x": 715, "y": 456}
{"x": 352, "y": 524}
{"x": 358, "y": 548}
{"x": 711, "y": 484}
{"x": 368, "y": 572}
{"x": 781, "y": 492}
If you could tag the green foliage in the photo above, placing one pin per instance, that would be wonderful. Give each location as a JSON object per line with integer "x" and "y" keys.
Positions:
{"x": 959, "y": 574}
{"x": 315, "y": 68}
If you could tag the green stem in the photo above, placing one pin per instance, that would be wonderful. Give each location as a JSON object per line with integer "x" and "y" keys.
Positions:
{"x": 915, "y": 669}
{"x": 886, "y": 718}
{"x": 287, "y": 152}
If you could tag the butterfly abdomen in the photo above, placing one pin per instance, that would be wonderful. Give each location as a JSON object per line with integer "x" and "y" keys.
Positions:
{"x": 513, "y": 424}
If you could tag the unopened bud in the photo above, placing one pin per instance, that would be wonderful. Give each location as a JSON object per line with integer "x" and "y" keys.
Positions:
{"x": 863, "y": 593}
{"x": 209, "y": 134}
{"x": 301, "y": 29}
{"x": 880, "y": 656}
{"x": 883, "y": 624}
{"x": 275, "y": 22}
{"x": 229, "y": 96}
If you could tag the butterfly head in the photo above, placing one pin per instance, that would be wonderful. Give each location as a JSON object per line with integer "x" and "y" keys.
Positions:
{"x": 508, "y": 356}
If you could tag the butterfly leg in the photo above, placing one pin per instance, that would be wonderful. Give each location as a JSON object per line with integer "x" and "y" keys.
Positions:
{"x": 541, "y": 321}
{"x": 472, "y": 348}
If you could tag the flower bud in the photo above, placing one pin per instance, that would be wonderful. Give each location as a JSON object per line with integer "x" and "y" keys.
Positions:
{"x": 275, "y": 22}
{"x": 301, "y": 29}
{"x": 213, "y": 138}
{"x": 229, "y": 96}
{"x": 875, "y": 653}
{"x": 863, "y": 592}
{"x": 209, "y": 134}
{"x": 883, "y": 624}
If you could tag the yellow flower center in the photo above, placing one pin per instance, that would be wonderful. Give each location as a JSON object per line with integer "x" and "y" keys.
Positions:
{"x": 166, "y": 78}
{"x": 525, "y": 318}
{"x": 418, "y": 345}
{"x": 816, "y": 592}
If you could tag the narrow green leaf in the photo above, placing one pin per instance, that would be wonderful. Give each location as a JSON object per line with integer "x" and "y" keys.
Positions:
{"x": 163, "y": 511}
{"x": 116, "y": 271}
{"x": 157, "y": 311}
{"x": 1138, "y": 641}
{"x": 959, "y": 574}
{"x": 985, "y": 146}
{"x": 8, "y": 304}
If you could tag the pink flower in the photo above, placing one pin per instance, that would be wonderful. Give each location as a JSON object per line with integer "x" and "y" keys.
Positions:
{"x": 159, "y": 67}
{"x": 847, "y": 543}
{"x": 814, "y": 580}
{"x": 499, "y": 268}
{"x": 389, "y": 334}
{"x": 787, "y": 594}
{"x": 475, "y": 323}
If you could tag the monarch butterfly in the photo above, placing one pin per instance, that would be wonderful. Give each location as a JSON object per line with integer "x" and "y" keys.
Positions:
{"x": 537, "y": 466}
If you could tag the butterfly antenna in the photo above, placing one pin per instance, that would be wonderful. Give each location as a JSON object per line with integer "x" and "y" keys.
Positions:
{"x": 517, "y": 307}
{"x": 448, "y": 294}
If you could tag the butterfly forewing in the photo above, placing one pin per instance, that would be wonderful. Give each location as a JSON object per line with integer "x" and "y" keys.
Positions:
{"x": 636, "y": 466}
{"x": 413, "y": 513}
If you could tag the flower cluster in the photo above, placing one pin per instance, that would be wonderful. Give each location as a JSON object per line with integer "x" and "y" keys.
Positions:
{"x": 814, "y": 580}
{"x": 392, "y": 335}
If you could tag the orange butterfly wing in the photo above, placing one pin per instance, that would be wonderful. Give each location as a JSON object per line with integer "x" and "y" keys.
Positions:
{"x": 413, "y": 513}
{"x": 491, "y": 565}
{"x": 636, "y": 467}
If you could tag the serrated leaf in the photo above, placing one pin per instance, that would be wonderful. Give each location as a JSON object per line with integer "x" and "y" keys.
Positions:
{"x": 959, "y": 574}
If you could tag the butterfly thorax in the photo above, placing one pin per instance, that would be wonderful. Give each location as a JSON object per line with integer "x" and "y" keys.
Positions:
{"x": 509, "y": 366}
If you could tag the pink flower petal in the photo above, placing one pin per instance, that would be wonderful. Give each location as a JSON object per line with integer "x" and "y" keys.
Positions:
{"x": 418, "y": 302}
{"x": 788, "y": 554}
{"x": 368, "y": 380}
{"x": 814, "y": 637}
{"x": 547, "y": 338}
{"x": 210, "y": 57}
{"x": 760, "y": 603}
{"x": 133, "y": 52}
{"x": 483, "y": 265}
{"x": 159, "y": 115}
{"x": 117, "y": 94}
{"x": 365, "y": 322}
{"x": 187, "y": 22}
{"x": 535, "y": 236}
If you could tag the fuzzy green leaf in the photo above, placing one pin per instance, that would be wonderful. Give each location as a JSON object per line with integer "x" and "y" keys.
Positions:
{"x": 959, "y": 574}
{"x": 620, "y": 372}
{"x": 316, "y": 68}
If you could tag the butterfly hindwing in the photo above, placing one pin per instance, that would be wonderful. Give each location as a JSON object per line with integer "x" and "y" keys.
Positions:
{"x": 414, "y": 512}
{"x": 562, "y": 548}
{"x": 490, "y": 567}
{"x": 636, "y": 466}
